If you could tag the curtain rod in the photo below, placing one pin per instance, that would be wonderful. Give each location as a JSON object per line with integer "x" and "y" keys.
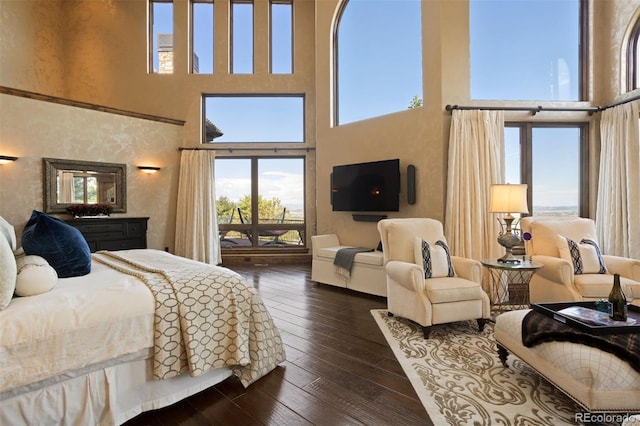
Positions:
{"x": 532, "y": 110}
{"x": 535, "y": 110}
{"x": 231, "y": 149}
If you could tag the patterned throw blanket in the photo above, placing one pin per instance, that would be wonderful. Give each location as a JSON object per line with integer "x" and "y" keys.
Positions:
{"x": 205, "y": 316}
{"x": 539, "y": 328}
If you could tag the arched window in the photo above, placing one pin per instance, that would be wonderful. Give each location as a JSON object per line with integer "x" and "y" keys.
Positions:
{"x": 378, "y": 58}
{"x": 633, "y": 56}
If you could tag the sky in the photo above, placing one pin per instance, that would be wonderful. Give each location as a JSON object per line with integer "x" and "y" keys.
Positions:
{"x": 380, "y": 69}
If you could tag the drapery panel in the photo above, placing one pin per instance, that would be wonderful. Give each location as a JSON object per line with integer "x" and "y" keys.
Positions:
{"x": 476, "y": 153}
{"x": 196, "y": 217}
{"x": 617, "y": 217}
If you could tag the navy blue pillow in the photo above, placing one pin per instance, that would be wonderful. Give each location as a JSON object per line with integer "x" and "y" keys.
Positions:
{"x": 62, "y": 245}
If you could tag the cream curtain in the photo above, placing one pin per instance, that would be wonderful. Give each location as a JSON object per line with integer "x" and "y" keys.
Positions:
{"x": 66, "y": 187}
{"x": 196, "y": 217}
{"x": 618, "y": 204}
{"x": 476, "y": 153}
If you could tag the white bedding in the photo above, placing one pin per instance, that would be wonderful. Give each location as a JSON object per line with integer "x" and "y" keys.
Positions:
{"x": 111, "y": 319}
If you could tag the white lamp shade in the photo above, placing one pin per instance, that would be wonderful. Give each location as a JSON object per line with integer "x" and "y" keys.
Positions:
{"x": 508, "y": 198}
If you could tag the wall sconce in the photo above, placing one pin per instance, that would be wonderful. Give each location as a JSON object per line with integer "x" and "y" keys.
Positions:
{"x": 149, "y": 169}
{"x": 6, "y": 159}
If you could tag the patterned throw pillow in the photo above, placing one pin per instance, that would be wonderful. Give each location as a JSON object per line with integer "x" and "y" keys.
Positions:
{"x": 585, "y": 256}
{"x": 435, "y": 258}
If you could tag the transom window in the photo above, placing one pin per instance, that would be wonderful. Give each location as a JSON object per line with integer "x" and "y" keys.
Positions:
{"x": 202, "y": 36}
{"x": 242, "y": 37}
{"x": 378, "y": 57}
{"x": 256, "y": 118}
{"x": 551, "y": 160}
{"x": 281, "y": 36}
{"x": 161, "y": 37}
{"x": 527, "y": 49}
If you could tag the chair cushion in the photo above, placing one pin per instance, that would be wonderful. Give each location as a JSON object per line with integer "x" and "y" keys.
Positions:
{"x": 434, "y": 258}
{"x": 585, "y": 256}
{"x": 452, "y": 289}
{"x": 598, "y": 286}
{"x": 368, "y": 258}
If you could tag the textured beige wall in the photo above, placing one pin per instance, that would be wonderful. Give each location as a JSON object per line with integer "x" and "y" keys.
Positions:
{"x": 31, "y": 46}
{"x": 417, "y": 137}
{"x": 31, "y": 130}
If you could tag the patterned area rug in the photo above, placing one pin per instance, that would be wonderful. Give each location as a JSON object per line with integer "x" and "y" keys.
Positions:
{"x": 460, "y": 380}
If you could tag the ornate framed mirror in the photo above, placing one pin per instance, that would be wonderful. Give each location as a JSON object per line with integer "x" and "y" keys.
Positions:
{"x": 69, "y": 182}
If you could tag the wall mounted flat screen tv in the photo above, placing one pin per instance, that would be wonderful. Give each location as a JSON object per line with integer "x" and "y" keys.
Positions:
{"x": 366, "y": 187}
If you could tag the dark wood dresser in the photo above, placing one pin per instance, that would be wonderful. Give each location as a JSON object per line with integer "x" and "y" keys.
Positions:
{"x": 112, "y": 233}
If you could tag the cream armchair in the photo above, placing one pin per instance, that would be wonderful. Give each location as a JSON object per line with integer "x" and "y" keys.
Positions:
{"x": 557, "y": 281}
{"x": 435, "y": 300}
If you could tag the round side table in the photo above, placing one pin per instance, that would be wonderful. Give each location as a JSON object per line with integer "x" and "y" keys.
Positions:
{"x": 510, "y": 283}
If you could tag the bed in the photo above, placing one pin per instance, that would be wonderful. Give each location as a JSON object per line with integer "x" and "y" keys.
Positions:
{"x": 142, "y": 330}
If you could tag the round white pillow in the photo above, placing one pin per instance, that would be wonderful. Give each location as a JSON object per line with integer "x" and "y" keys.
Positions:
{"x": 35, "y": 276}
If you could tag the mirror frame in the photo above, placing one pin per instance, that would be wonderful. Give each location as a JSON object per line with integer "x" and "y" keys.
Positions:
{"x": 50, "y": 170}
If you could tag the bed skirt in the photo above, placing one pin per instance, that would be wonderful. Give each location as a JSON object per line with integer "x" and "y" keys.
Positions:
{"x": 105, "y": 394}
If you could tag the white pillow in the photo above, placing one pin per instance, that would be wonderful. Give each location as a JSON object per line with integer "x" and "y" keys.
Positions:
{"x": 585, "y": 256}
{"x": 434, "y": 258}
{"x": 8, "y": 269}
{"x": 35, "y": 276}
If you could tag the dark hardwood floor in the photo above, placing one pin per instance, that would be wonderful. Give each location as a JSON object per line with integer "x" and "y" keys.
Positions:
{"x": 339, "y": 368}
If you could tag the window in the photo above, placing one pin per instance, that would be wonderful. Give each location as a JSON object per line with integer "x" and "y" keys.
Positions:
{"x": 551, "y": 159}
{"x": 281, "y": 37}
{"x": 202, "y": 36}
{"x": 267, "y": 118}
{"x": 633, "y": 58}
{"x": 267, "y": 188}
{"x": 378, "y": 57}
{"x": 527, "y": 50}
{"x": 161, "y": 35}
{"x": 242, "y": 37}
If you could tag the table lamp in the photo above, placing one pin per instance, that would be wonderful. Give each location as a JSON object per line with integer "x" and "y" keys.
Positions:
{"x": 508, "y": 199}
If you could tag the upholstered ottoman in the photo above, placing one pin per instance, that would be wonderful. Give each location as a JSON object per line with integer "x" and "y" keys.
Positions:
{"x": 597, "y": 380}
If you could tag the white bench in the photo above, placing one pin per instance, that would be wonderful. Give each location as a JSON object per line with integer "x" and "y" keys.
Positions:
{"x": 367, "y": 274}
{"x": 597, "y": 380}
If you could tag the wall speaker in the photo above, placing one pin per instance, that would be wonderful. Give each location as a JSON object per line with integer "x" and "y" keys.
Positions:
{"x": 411, "y": 184}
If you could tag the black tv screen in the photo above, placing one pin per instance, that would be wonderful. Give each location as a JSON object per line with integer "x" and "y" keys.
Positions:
{"x": 366, "y": 187}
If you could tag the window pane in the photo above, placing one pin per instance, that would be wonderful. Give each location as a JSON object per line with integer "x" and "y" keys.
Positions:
{"x": 281, "y": 38}
{"x": 242, "y": 38}
{"x": 556, "y": 171}
{"x": 162, "y": 37}
{"x": 280, "y": 198}
{"x": 512, "y": 155}
{"x": 233, "y": 192}
{"x": 525, "y": 50}
{"x": 256, "y": 118}
{"x": 202, "y": 37}
{"x": 379, "y": 56}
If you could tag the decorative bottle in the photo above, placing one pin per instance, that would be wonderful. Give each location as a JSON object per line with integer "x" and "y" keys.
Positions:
{"x": 618, "y": 301}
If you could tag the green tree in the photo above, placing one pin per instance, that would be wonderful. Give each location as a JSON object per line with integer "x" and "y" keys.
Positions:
{"x": 416, "y": 102}
{"x": 267, "y": 209}
{"x": 225, "y": 208}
